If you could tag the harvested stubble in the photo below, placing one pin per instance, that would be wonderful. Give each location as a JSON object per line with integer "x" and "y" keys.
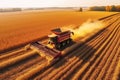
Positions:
{"x": 16, "y": 59}
{"x": 25, "y": 66}
{"x": 116, "y": 75}
{"x": 32, "y": 72}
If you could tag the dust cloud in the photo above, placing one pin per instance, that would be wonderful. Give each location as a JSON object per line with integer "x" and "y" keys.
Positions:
{"x": 87, "y": 28}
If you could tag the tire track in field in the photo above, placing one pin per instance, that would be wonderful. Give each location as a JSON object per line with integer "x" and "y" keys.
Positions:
{"x": 68, "y": 73}
{"x": 26, "y": 70}
{"x": 110, "y": 71}
{"x": 93, "y": 43}
{"x": 92, "y": 67}
{"x": 96, "y": 71}
{"x": 13, "y": 55}
{"x": 79, "y": 64}
{"x": 116, "y": 72}
{"x": 112, "y": 54}
{"x": 22, "y": 66}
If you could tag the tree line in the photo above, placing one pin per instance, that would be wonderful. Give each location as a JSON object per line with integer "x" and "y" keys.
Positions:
{"x": 105, "y": 8}
{"x": 10, "y": 9}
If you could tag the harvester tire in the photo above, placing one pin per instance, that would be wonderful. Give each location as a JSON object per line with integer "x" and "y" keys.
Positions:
{"x": 64, "y": 44}
{"x": 58, "y": 46}
{"x": 68, "y": 41}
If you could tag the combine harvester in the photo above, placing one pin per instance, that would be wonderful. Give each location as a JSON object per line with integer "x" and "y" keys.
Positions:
{"x": 58, "y": 40}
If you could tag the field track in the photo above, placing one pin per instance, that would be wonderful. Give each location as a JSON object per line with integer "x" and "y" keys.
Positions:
{"x": 95, "y": 59}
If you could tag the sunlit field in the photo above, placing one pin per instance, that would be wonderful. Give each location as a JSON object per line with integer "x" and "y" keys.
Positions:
{"x": 20, "y": 27}
{"x": 92, "y": 54}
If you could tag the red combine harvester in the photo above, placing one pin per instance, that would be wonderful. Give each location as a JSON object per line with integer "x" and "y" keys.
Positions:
{"x": 58, "y": 39}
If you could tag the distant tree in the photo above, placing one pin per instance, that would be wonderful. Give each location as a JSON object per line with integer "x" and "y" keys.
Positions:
{"x": 97, "y": 8}
{"x": 118, "y": 8}
{"x": 108, "y": 8}
{"x": 81, "y": 9}
{"x": 102, "y": 8}
{"x": 105, "y": 8}
{"x": 89, "y": 8}
{"x": 113, "y": 8}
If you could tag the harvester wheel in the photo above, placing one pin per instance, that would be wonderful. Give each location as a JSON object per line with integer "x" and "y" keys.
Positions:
{"x": 58, "y": 46}
{"x": 64, "y": 43}
{"x": 68, "y": 41}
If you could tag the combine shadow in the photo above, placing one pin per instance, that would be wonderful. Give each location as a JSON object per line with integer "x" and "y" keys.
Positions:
{"x": 80, "y": 52}
{"x": 63, "y": 48}
{"x": 81, "y": 49}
